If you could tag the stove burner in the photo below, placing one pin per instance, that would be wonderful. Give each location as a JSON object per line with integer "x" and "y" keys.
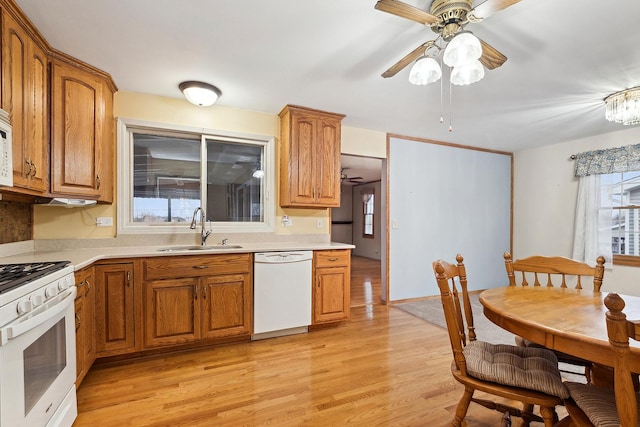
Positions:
{"x": 15, "y": 275}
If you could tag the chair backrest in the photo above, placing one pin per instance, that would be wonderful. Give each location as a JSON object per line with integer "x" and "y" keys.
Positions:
{"x": 449, "y": 278}
{"x": 533, "y": 269}
{"x": 620, "y": 330}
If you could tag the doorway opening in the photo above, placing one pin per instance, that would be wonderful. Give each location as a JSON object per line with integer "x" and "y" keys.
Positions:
{"x": 359, "y": 221}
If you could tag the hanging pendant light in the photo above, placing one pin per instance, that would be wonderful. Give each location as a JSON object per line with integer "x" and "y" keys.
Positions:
{"x": 466, "y": 74}
{"x": 424, "y": 71}
{"x": 462, "y": 49}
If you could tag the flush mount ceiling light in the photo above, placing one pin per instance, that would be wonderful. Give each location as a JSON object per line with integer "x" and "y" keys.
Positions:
{"x": 200, "y": 93}
{"x": 624, "y": 106}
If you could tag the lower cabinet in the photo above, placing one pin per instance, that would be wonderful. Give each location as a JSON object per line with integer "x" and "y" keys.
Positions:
{"x": 331, "y": 286}
{"x": 115, "y": 309}
{"x": 85, "y": 322}
{"x": 192, "y": 298}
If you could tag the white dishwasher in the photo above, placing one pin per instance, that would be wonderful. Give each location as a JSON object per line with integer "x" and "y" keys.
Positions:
{"x": 281, "y": 293}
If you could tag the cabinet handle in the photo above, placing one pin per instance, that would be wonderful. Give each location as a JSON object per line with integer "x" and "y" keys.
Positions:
{"x": 77, "y": 322}
{"x": 200, "y": 267}
{"x": 204, "y": 292}
{"x": 83, "y": 283}
{"x": 195, "y": 288}
{"x": 333, "y": 259}
{"x": 128, "y": 279}
{"x": 28, "y": 173}
{"x": 318, "y": 281}
{"x": 88, "y": 287}
{"x": 33, "y": 170}
{"x": 97, "y": 182}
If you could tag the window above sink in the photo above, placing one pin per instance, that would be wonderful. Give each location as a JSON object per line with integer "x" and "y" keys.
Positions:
{"x": 165, "y": 172}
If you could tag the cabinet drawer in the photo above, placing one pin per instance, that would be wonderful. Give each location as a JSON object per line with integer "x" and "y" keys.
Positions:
{"x": 333, "y": 258}
{"x": 195, "y": 266}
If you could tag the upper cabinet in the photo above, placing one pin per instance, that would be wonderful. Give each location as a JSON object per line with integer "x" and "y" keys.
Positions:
{"x": 61, "y": 112}
{"x": 81, "y": 133}
{"x": 24, "y": 97}
{"x": 309, "y": 158}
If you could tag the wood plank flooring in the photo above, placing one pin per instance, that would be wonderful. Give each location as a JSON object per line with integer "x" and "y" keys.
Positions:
{"x": 366, "y": 283}
{"x": 383, "y": 368}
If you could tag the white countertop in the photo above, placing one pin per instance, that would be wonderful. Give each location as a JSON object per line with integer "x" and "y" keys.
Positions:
{"x": 82, "y": 257}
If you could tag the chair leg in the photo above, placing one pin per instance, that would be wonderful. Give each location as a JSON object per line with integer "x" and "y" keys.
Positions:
{"x": 549, "y": 416}
{"x": 463, "y": 406}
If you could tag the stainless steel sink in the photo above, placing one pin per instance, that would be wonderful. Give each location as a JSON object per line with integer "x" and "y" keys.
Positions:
{"x": 198, "y": 248}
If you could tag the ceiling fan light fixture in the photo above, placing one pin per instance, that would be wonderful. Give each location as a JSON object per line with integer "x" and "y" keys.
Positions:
{"x": 200, "y": 93}
{"x": 425, "y": 70}
{"x": 466, "y": 74}
{"x": 624, "y": 106}
{"x": 463, "y": 49}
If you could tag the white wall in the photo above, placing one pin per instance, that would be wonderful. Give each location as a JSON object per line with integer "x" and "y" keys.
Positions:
{"x": 445, "y": 200}
{"x": 342, "y": 232}
{"x": 545, "y": 191}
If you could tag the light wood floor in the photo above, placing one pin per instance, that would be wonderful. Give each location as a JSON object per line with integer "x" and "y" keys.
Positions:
{"x": 382, "y": 368}
{"x": 366, "y": 284}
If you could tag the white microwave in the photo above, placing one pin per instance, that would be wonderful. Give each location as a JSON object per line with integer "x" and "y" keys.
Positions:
{"x": 6, "y": 158}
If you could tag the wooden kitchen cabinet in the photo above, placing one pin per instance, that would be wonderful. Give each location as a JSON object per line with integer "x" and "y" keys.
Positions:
{"x": 82, "y": 134}
{"x": 115, "y": 309}
{"x": 24, "y": 95}
{"x": 309, "y": 158}
{"x": 193, "y": 298}
{"x": 331, "y": 286}
{"x": 85, "y": 322}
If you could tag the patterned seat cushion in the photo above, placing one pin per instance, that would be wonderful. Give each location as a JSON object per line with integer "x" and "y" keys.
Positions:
{"x": 530, "y": 368}
{"x": 598, "y": 404}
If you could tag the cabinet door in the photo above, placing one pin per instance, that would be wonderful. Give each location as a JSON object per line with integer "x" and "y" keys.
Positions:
{"x": 172, "y": 310}
{"x": 302, "y": 181}
{"x": 227, "y": 305}
{"x": 24, "y": 97}
{"x": 85, "y": 322}
{"x": 331, "y": 294}
{"x": 115, "y": 328}
{"x": 77, "y": 123}
{"x": 327, "y": 165}
{"x": 80, "y": 335}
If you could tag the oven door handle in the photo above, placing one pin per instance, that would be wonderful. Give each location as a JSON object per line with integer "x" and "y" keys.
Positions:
{"x": 40, "y": 315}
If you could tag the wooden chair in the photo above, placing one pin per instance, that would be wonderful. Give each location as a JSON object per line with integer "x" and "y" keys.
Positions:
{"x": 596, "y": 406}
{"x": 527, "y": 375}
{"x": 543, "y": 271}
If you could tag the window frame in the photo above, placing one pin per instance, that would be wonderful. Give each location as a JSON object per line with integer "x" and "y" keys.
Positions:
{"x": 623, "y": 259}
{"x": 126, "y": 128}
{"x": 370, "y": 192}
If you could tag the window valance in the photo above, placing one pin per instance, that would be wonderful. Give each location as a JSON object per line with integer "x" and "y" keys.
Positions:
{"x": 621, "y": 159}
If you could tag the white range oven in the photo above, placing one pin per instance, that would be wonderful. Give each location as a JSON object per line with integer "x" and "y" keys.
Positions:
{"x": 37, "y": 345}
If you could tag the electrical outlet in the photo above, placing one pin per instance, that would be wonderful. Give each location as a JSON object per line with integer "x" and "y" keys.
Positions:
{"x": 319, "y": 223}
{"x": 286, "y": 221}
{"x": 104, "y": 221}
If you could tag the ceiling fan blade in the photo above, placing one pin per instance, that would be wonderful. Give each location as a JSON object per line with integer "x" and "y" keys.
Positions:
{"x": 490, "y": 7}
{"x": 412, "y": 56}
{"x": 491, "y": 58}
{"x": 404, "y": 10}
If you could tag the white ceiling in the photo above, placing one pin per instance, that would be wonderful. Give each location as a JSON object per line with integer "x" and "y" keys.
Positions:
{"x": 564, "y": 58}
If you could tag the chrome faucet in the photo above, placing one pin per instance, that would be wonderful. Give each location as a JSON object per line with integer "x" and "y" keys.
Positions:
{"x": 203, "y": 234}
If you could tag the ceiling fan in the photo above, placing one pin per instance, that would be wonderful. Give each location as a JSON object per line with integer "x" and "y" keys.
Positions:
{"x": 344, "y": 178}
{"x": 447, "y": 18}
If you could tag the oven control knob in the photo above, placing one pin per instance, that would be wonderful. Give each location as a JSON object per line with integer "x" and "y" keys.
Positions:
{"x": 24, "y": 307}
{"x": 63, "y": 284}
{"x": 36, "y": 300}
{"x": 51, "y": 291}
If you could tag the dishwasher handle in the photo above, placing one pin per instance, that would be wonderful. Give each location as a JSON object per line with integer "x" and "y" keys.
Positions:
{"x": 282, "y": 257}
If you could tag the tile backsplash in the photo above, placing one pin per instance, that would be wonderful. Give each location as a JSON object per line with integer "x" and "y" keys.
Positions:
{"x": 16, "y": 221}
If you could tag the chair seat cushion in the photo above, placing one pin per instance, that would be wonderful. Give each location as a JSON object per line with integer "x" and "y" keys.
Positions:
{"x": 524, "y": 367}
{"x": 598, "y": 404}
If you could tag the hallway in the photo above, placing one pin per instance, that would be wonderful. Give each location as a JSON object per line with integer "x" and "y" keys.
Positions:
{"x": 366, "y": 283}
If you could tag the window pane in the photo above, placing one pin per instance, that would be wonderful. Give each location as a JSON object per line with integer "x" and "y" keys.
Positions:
{"x": 625, "y": 233}
{"x": 166, "y": 178}
{"x": 234, "y": 183}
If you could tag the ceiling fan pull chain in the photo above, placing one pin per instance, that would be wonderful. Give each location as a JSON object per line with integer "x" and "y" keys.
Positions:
{"x": 450, "y": 102}
{"x": 441, "y": 95}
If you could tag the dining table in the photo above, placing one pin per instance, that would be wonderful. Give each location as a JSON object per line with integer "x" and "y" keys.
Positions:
{"x": 563, "y": 319}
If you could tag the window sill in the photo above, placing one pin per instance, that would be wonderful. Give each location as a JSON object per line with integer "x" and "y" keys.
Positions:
{"x": 629, "y": 260}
